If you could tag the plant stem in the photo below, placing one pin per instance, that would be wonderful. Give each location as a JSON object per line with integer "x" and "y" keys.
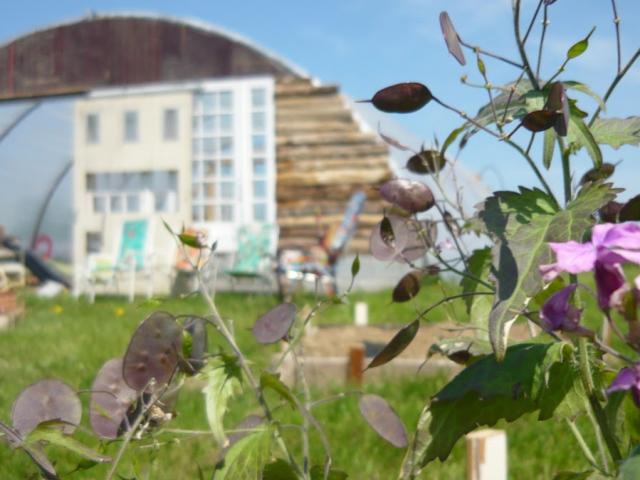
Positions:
{"x": 463, "y": 274}
{"x": 589, "y": 387}
{"x": 616, "y": 21}
{"x": 545, "y": 23}
{"x": 598, "y": 434}
{"x": 558, "y": 72}
{"x": 131, "y": 432}
{"x": 508, "y": 141}
{"x": 566, "y": 170}
{"x": 613, "y": 85}
{"x": 521, "y": 49}
{"x": 534, "y": 167}
{"x": 449, "y": 299}
{"x": 454, "y": 236}
{"x": 479, "y": 50}
{"x": 586, "y": 451}
{"x": 533, "y": 19}
{"x": 305, "y": 422}
{"x": 510, "y": 97}
{"x": 607, "y": 349}
{"x": 488, "y": 89}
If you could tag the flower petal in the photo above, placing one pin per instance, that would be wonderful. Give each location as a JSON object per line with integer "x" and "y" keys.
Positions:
{"x": 557, "y": 314}
{"x": 609, "y": 278}
{"x": 625, "y": 379}
{"x": 623, "y": 235}
{"x": 574, "y": 257}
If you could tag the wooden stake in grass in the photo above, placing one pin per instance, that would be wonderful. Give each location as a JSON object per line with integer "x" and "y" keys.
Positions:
{"x": 356, "y": 364}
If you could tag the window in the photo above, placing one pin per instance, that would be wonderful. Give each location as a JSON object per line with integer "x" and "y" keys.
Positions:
{"x": 131, "y": 192}
{"x": 94, "y": 242}
{"x": 170, "y": 124}
{"x": 130, "y": 126}
{"x": 93, "y": 128}
{"x": 233, "y": 159}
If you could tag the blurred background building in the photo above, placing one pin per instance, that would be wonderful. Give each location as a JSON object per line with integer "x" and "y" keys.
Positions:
{"x": 114, "y": 118}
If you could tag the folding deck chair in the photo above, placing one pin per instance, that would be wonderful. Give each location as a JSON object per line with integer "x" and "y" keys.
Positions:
{"x": 132, "y": 259}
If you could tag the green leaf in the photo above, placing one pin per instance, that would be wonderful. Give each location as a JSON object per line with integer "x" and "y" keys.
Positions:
{"x": 533, "y": 377}
{"x": 581, "y": 136}
{"x": 317, "y": 473}
{"x": 279, "y": 470}
{"x": 451, "y": 138}
{"x": 582, "y": 88}
{"x": 55, "y": 436}
{"x": 617, "y": 131}
{"x": 460, "y": 349}
{"x": 189, "y": 240}
{"x": 547, "y": 147}
{"x": 481, "y": 67}
{"x": 522, "y": 224}
{"x": 355, "y": 266}
{"x": 223, "y": 380}
{"x": 586, "y": 475}
{"x": 396, "y": 345}
{"x": 630, "y": 468}
{"x": 168, "y": 227}
{"x": 580, "y": 47}
{"x": 247, "y": 457}
{"x": 269, "y": 380}
{"x": 478, "y": 306}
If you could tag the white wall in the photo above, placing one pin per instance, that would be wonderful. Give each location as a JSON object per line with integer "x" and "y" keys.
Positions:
{"x": 151, "y": 152}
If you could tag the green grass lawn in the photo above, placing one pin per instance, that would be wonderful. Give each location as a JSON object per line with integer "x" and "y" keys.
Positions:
{"x": 70, "y": 340}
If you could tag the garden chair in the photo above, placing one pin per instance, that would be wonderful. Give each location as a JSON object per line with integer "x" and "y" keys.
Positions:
{"x": 319, "y": 262}
{"x": 255, "y": 254}
{"x": 132, "y": 259}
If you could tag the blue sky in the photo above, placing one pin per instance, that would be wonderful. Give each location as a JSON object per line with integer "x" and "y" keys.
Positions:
{"x": 364, "y": 45}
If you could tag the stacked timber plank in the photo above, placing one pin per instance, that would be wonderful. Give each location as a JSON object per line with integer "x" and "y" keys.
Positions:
{"x": 322, "y": 158}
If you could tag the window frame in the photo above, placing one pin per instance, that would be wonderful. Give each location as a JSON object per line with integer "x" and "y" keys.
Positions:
{"x": 126, "y": 136}
{"x": 168, "y": 134}
{"x": 243, "y": 157}
{"x": 92, "y": 136}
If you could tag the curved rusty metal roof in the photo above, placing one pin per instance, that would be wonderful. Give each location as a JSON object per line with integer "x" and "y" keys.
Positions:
{"x": 126, "y": 49}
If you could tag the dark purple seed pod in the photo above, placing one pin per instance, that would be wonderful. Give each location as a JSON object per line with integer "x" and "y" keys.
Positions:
{"x": 539, "y": 120}
{"x": 153, "y": 352}
{"x": 402, "y": 98}
{"x": 602, "y": 173}
{"x": 609, "y": 212}
{"x": 380, "y": 416}
{"x": 407, "y": 194}
{"x": 43, "y": 401}
{"x": 111, "y": 398}
{"x": 558, "y": 103}
{"x": 451, "y": 38}
{"x": 275, "y": 324}
{"x": 426, "y": 162}
{"x": 404, "y": 243}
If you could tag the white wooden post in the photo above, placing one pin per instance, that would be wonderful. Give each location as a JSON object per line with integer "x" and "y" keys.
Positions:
{"x": 487, "y": 455}
{"x": 361, "y": 314}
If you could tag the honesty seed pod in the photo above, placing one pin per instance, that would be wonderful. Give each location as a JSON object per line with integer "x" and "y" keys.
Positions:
{"x": 558, "y": 103}
{"x": 451, "y": 38}
{"x": 407, "y": 194}
{"x": 539, "y": 120}
{"x": 401, "y": 98}
{"x": 425, "y": 162}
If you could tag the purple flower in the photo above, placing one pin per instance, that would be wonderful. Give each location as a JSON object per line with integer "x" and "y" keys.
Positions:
{"x": 611, "y": 244}
{"x": 628, "y": 379}
{"x": 558, "y": 314}
{"x": 609, "y": 278}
